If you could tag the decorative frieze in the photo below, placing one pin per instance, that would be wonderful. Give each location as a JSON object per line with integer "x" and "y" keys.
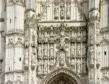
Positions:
{"x": 55, "y": 38}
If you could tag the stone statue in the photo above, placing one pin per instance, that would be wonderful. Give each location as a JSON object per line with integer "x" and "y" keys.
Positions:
{"x": 62, "y": 59}
{"x": 33, "y": 59}
{"x": 39, "y": 51}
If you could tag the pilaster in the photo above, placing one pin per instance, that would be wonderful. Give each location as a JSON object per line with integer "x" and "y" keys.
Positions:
{"x": 30, "y": 43}
{"x": 93, "y": 41}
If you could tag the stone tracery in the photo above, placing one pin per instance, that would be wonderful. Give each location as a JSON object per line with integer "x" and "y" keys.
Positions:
{"x": 58, "y": 52}
{"x": 61, "y": 72}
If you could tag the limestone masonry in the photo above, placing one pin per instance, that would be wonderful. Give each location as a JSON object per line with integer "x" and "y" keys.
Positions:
{"x": 54, "y": 41}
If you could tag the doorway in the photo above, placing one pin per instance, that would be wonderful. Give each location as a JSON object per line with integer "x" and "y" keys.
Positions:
{"x": 62, "y": 79}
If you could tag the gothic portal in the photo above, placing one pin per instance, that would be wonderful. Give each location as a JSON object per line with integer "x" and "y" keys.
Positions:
{"x": 62, "y": 76}
{"x": 62, "y": 79}
{"x": 54, "y": 41}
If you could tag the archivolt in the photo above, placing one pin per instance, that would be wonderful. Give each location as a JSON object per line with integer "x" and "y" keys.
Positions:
{"x": 59, "y": 71}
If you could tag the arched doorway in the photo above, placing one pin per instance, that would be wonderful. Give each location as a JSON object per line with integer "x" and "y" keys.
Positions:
{"x": 62, "y": 78}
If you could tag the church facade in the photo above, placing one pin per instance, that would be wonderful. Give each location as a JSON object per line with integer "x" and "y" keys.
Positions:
{"x": 54, "y": 42}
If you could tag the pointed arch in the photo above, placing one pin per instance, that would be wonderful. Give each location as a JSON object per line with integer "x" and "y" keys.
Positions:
{"x": 62, "y": 72}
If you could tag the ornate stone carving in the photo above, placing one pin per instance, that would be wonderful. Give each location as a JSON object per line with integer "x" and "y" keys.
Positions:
{"x": 61, "y": 58}
{"x": 62, "y": 9}
{"x": 19, "y": 43}
{"x": 10, "y": 43}
{"x": 56, "y": 9}
{"x": 92, "y": 59}
{"x": 78, "y": 49}
{"x": 94, "y": 16}
{"x": 68, "y": 9}
{"x": 54, "y": 45}
{"x": 33, "y": 57}
{"x": 30, "y": 21}
{"x": 58, "y": 71}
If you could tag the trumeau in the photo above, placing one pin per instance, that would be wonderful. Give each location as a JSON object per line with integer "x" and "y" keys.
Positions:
{"x": 54, "y": 42}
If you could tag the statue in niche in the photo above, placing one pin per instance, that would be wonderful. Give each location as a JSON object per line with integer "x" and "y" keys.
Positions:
{"x": 45, "y": 68}
{"x": 34, "y": 56}
{"x": 52, "y": 62}
{"x": 56, "y": 9}
{"x": 62, "y": 9}
{"x": 26, "y": 56}
{"x": 79, "y": 34}
{"x": 45, "y": 50}
{"x": 19, "y": 42}
{"x": 78, "y": 66}
{"x": 91, "y": 39}
{"x": 33, "y": 59}
{"x": 51, "y": 52}
{"x": 83, "y": 67}
{"x": 62, "y": 40}
{"x": 72, "y": 50}
{"x": 79, "y": 50}
{"x": 33, "y": 37}
{"x": 73, "y": 63}
{"x": 39, "y": 51}
{"x": 62, "y": 58}
{"x": 68, "y": 9}
{"x": 92, "y": 54}
{"x": 39, "y": 69}
{"x": 83, "y": 50}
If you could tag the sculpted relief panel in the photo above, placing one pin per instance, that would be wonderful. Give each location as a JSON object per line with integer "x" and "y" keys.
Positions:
{"x": 60, "y": 47}
{"x": 58, "y": 10}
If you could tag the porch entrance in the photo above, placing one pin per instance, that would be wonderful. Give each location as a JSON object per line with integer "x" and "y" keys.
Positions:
{"x": 62, "y": 79}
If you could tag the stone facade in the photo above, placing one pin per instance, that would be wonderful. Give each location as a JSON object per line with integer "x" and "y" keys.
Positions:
{"x": 54, "y": 42}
